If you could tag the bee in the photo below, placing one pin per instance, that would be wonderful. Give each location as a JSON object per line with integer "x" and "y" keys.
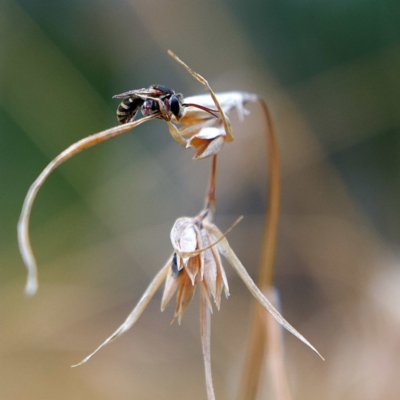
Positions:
{"x": 156, "y": 99}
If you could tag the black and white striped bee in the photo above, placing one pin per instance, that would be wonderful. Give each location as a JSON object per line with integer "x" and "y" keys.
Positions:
{"x": 155, "y": 99}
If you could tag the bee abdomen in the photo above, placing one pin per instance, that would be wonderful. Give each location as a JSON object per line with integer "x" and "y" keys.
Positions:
{"x": 128, "y": 108}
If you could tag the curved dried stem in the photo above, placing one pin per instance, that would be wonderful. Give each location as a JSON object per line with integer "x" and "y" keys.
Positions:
{"x": 23, "y": 223}
{"x": 274, "y": 191}
{"x": 258, "y": 333}
{"x": 136, "y": 312}
{"x": 227, "y": 125}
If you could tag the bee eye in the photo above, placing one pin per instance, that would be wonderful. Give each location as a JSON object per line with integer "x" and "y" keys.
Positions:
{"x": 175, "y": 106}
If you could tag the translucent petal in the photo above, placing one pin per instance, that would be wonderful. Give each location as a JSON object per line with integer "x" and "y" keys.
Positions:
{"x": 180, "y": 225}
{"x": 227, "y": 100}
{"x": 188, "y": 240}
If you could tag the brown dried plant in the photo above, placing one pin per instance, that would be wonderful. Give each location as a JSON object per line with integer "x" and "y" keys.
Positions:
{"x": 197, "y": 242}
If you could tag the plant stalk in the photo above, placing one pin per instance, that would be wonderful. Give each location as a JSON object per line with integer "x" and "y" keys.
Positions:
{"x": 258, "y": 331}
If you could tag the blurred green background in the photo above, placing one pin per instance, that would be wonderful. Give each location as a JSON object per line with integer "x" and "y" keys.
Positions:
{"x": 100, "y": 225}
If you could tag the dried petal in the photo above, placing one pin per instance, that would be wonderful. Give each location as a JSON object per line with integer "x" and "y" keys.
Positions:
{"x": 171, "y": 285}
{"x": 206, "y": 294}
{"x": 191, "y": 130}
{"x": 223, "y": 275}
{"x": 217, "y": 259}
{"x": 219, "y": 282}
{"x": 184, "y": 296}
{"x": 207, "y": 133}
{"x": 193, "y": 268}
{"x": 211, "y": 148}
{"x": 136, "y": 312}
{"x": 210, "y": 273}
{"x": 229, "y": 254}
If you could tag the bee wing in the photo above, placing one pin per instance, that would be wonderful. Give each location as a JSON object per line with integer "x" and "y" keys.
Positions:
{"x": 145, "y": 93}
{"x": 129, "y": 93}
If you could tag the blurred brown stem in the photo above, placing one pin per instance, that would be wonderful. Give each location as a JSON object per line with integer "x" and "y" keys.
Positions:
{"x": 274, "y": 351}
{"x": 258, "y": 332}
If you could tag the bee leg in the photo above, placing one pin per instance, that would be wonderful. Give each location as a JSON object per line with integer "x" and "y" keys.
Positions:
{"x": 164, "y": 109}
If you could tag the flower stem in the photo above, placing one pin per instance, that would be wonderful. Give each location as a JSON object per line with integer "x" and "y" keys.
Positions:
{"x": 205, "y": 332}
{"x": 205, "y": 317}
{"x": 258, "y": 332}
{"x": 210, "y": 202}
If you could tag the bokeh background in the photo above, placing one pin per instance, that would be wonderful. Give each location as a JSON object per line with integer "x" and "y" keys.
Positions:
{"x": 100, "y": 226}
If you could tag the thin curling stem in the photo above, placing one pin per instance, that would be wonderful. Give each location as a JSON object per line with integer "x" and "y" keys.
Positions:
{"x": 258, "y": 333}
{"x": 268, "y": 255}
{"x": 23, "y": 223}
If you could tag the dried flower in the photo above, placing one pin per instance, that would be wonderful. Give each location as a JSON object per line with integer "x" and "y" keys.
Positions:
{"x": 206, "y": 136}
{"x": 196, "y": 261}
{"x": 201, "y": 131}
{"x": 198, "y": 246}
